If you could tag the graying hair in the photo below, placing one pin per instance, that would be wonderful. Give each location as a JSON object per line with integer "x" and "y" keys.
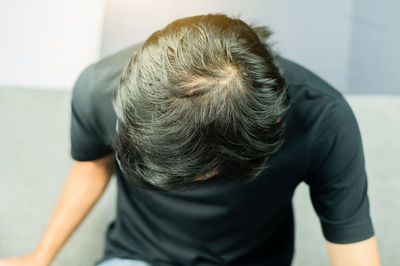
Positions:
{"x": 202, "y": 93}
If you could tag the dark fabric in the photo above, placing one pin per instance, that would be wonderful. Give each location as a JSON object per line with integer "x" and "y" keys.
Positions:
{"x": 234, "y": 224}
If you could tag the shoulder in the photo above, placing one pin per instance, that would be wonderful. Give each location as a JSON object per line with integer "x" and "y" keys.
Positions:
{"x": 313, "y": 101}
{"x": 105, "y": 70}
{"x": 300, "y": 80}
{"x": 319, "y": 114}
{"x": 97, "y": 81}
{"x": 112, "y": 65}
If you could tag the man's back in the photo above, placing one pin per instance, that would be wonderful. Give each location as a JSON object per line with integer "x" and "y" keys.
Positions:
{"x": 232, "y": 223}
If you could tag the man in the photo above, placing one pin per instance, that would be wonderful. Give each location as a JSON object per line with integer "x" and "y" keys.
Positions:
{"x": 209, "y": 133}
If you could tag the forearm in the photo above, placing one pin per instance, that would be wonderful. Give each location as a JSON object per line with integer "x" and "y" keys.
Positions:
{"x": 363, "y": 253}
{"x": 83, "y": 187}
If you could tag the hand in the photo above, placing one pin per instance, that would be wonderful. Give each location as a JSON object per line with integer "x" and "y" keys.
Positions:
{"x": 29, "y": 260}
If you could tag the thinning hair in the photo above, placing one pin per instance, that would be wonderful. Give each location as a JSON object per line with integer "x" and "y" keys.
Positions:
{"x": 202, "y": 93}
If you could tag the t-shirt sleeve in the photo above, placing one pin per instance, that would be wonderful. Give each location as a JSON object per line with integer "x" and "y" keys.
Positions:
{"x": 85, "y": 136}
{"x": 338, "y": 179}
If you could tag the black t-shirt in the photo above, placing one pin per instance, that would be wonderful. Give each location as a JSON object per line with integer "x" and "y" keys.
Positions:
{"x": 231, "y": 223}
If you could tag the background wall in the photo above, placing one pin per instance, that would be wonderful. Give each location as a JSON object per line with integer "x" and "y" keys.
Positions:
{"x": 46, "y": 43}
{"x": 299, "y": 33}
{"x": 374, "y": 48}
{"x": 352, "y": 44}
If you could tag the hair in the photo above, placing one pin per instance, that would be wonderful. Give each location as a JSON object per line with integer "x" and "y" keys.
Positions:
{"x": 202, "y": 93}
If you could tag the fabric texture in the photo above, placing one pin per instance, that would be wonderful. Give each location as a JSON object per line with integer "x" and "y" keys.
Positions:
{"x": 234, "y": 224}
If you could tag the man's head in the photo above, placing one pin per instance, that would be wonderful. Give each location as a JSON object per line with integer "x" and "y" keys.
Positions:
{"x": 202, "y": 96}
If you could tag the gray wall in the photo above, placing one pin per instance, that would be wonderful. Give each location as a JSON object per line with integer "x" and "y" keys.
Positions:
{"x": 351, "y": 44}
{"x": 375, "y": 47}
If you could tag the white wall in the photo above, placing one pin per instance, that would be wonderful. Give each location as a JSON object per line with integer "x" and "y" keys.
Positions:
{"x": 46, "y": 43}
